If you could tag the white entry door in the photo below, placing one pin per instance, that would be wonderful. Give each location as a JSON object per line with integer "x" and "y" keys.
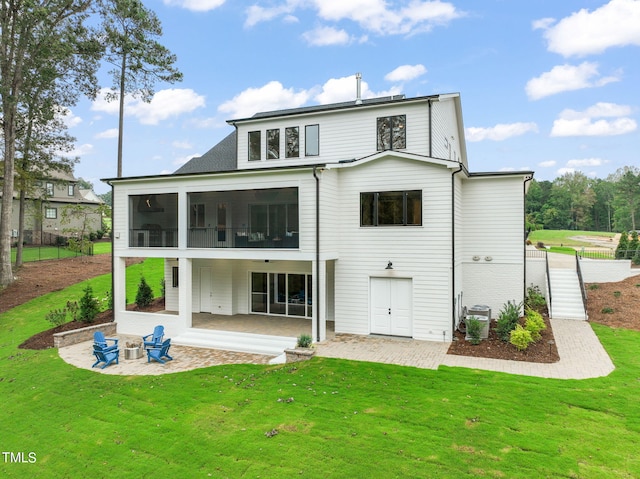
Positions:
{"x": 391, "y": 306}
{"x": 206, "y": 292}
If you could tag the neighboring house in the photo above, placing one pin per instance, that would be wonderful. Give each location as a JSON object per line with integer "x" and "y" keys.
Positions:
{"x": 363, "y": 213}
{"x": 44, "y": 217}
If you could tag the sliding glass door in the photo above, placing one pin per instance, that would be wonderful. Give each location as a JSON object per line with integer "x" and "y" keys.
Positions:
{"x": 286, "y": 294}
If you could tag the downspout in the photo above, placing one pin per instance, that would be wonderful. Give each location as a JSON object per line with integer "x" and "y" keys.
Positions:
{"x": 453, "y": 250}
{"x": 317, "y": 273}
{"x": 430, "y": 131}
{"x": 113, "y": 260}
{"x": 524, "y": 196}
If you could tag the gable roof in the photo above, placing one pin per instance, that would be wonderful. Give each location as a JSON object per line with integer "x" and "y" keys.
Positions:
{"x": 222, "y": 157}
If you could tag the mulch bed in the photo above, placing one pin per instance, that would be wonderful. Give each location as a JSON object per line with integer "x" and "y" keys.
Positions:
{"x": 542, "y": 351}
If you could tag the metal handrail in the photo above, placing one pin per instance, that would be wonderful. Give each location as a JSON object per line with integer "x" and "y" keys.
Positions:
{"x": 546, "y": 259}
{"x": 583, "y": 290}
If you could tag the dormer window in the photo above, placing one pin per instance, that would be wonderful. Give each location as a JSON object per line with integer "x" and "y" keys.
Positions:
{"x": 312, "y": 140}
{"x": 392, "y": 134}
{"x": 70, "y": 189}
{"x": 254, "y": 146}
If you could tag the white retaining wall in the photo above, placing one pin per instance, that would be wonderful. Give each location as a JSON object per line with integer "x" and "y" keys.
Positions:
{"x": 605, "y": 270}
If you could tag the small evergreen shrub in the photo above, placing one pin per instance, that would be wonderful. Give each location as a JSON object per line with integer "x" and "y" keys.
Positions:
{"x": 534, "y": 324}
{"x": 607, "y": 310}
{"x": 535, "y": 299}
{"x": 594, "y": 286}
{"x": 144, "y": 296}
{"x": 507, "y": 320}
{"x": 474, "y": 329}
{"x": 617, "y": 294}
{"x": 56, "y": 316}
{"x": 304, "y": 341}
{"x": 89, "y": 306}
{"x": 520, "y": 338}
{"x": 623, "y": 245}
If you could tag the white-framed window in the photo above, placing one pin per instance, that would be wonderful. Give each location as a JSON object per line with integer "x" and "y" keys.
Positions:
{"x": 292, "y": 140}
{"x": 49, "y": 188}
{"x": 70, "y": 189}
{"x": 273, "y": 144}
{"x": 51, "y": 213}
{"x": 254, "y": 146}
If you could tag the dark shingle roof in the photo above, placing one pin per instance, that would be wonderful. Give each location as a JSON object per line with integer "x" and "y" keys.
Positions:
{"x": 221, "y": 157}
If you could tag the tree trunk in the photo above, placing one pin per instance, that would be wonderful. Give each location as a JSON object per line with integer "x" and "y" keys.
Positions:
{"x": 19, "y": 247}
{"x": 6, "y": 273}
{"x": 121, "y": 113}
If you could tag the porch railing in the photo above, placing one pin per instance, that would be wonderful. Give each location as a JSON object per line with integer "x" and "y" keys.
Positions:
{"x": 153, "y": 238}
{"x": 217, "y": 237}
{"x": 583, "y": 290}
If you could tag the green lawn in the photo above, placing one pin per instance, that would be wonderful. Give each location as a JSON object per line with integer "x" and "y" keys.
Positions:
{"x": 334, "y": 418}
{"x": 41, "y": 253}
{"x": 563, "y": 237}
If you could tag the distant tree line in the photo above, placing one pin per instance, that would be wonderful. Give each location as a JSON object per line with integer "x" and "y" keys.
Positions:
{"x": 574, "y": 201}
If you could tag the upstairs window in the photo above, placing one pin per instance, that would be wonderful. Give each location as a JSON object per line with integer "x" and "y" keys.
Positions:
{"x": 273, "y": 144}
{"x": 254, "y": 146}
{"x": 292, "y": 139}
{"x": 70, "y": 189}
{"x": 392, "y": 133}
{"x": 312, "y": 140}
{"x": 391, "y": 208}
{"x": 49, "y": 189}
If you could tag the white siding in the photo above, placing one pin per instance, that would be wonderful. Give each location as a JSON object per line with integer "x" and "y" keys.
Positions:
{"x": 344, "y": 134}
{"x": 493, "y": 240}
{"x": 422, "y": 253}
{"x": 446, "y": 143}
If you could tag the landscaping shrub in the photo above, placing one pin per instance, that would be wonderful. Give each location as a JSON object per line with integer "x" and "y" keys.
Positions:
{"x": 474, "y": 329}
{"x": 304, "y": 341}
{"x": 520, "y": 338}
{"x": 617, "y": 294}
{"x": 534, "y": 324}
{"x": 73, "y": 308}
{"x": 607, "y": 310}
{"x": 144, "y": 296}
{"x": 594, "y": 286}
{"x": 57, "y": 316}
{"x": 623, "y": 245}
{"x": 507, "y": 320}
{"x": 633, "y": 245}
{"x": 89, "y": 306}
{"x": 535, "y": 299}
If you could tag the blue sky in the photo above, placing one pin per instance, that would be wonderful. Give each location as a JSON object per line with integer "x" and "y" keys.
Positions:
{"x": 546, "y": 85}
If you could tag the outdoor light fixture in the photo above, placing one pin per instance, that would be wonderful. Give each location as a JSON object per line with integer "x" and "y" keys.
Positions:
{"x": 389, "y": 265}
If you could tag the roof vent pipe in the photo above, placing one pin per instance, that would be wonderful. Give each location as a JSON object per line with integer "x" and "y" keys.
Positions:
{"x": 358, "y": 82}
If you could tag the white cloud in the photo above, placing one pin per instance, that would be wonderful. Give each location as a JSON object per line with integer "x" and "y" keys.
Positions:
{"x": 564, "y": 171}
{"x": 566, "y": 78}
{"x": 324, "y": 36}
{"x": 590, "y": 122}
{"x": 500, "y": 132}
{"x": 272, "y": 96}
{"x": 586, "y": 162}
{"x": 584, "y": 33}
{"x": 107, "y": 134}
{"x": 196, "y": 5}
{"x": 164, "y": 104}
{"x": 370, "y": 15}
{"x": 78, "y": 151}
{"x": 68, "y": 118}
{"x": 185, "y": 145}
{"x": 543, "y": 23}
{"x": 406, "y": 73}
{"x": 547, "y": 164}
{"x": 336, "y": 90}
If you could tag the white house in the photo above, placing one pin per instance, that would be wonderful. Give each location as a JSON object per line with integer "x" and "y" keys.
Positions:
{"x": 360, "y": 213}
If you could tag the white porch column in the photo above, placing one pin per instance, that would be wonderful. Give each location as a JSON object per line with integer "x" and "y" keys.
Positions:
{"x": 185, "y": 291}
{"x": 319, "y": 301}
{"x": 119, "y": 285}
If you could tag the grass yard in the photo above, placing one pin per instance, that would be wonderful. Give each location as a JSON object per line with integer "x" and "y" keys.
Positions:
{"x": 326, "y": 418}
{"x": 42, "y": 253}
{"x": 564, "y": 237}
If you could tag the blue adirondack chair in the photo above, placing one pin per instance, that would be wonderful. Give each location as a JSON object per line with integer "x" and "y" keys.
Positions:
{"x": 100, "y": 340}
{"x": 161, "y": 353}
{"x": 154, "y": 340}
{"x": 106, "y": 356}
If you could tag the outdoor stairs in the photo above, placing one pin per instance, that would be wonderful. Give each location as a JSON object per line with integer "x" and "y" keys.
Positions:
{"x": 235, "y": 341}
{"x": 566, "y": 297}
